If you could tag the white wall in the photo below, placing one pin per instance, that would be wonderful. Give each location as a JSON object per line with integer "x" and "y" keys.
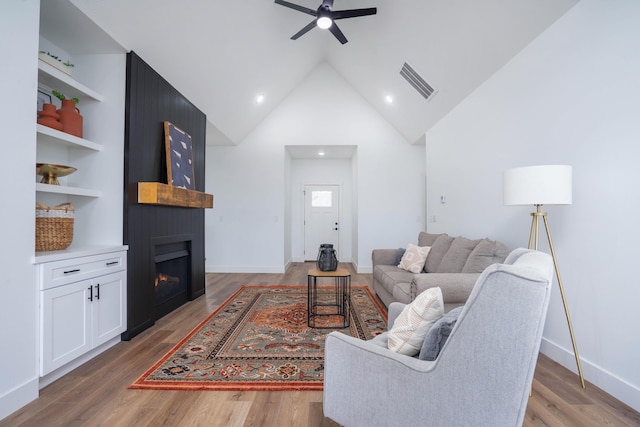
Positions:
{"x": 571, "y": 97}
{"x": 19, "y": 21}
{"x": 322, "y": 172}
{"x": 244, "y": 231}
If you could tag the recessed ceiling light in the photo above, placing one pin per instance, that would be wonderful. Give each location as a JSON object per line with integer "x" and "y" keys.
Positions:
{"x": 259, "y": 99}
{"x": 320, "y": 153}
{"x": 388, "y": 99}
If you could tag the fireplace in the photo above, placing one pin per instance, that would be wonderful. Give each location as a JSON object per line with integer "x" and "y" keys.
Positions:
{"x": 158, "y": 234}
{"x": 172, "y": 281}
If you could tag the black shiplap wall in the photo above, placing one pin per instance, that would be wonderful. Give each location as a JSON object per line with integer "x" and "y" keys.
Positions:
{"x": 150, "y": 100}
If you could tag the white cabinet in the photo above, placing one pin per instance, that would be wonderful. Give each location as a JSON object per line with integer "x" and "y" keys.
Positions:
{"x": 82, "y": 289}
{"x": 65, "y": 325}
{"x": 82, "y": 306}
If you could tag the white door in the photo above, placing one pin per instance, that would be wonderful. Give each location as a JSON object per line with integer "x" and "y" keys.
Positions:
{"x": 321, "y": 218}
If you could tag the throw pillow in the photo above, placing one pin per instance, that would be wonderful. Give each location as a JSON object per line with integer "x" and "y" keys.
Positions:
{"x": 438, "y": 334}
{"x": 399, "y": 255}
{"x": 412, "y": 324}
{"x": 414, "y": 257}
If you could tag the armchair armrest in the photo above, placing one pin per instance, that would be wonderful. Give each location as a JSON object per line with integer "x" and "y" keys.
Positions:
{"x": 383, "y": 256}
{"x": 359, "y": 371}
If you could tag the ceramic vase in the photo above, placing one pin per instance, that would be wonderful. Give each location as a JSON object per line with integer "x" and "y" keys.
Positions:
{"x": 70, "y": 118}
{"x": 49, "y": 117}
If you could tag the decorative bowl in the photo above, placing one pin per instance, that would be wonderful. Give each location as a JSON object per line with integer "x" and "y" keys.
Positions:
{"x": 51, "y": 172}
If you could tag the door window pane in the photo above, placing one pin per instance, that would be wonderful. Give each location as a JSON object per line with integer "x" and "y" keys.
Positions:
{"x": 321, "y": 199}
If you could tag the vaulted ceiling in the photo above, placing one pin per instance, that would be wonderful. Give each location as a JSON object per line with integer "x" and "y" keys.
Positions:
{"x": 222, "y": 54}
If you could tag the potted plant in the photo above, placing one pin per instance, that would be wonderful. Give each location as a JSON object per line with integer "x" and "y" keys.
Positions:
{"x": 54, "y": 61}
{"x": 69, "y": 114}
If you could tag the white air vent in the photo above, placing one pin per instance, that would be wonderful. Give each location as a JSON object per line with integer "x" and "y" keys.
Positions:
{"x": 416, "y": 81}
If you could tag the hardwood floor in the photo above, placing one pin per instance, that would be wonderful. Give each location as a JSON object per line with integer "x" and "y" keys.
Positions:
{"x": 96, "y": 393}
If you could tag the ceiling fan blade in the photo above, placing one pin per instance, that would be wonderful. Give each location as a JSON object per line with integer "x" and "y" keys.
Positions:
{"x": 336, "y": 32}
{"x": 354, "y": 13}
{"x": 304, "y": 30}
{"x": 296, "y": 7}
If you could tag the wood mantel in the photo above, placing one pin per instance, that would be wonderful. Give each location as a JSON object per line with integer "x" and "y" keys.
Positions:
{"x": 157, "y": 193}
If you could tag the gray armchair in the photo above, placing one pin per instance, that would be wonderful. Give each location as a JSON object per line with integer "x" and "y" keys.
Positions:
{"x": 482, "y": 375}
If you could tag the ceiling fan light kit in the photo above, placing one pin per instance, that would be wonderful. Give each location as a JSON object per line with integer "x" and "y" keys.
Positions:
{"x": 325, "y": 17}
{"x": 324, "y": 22}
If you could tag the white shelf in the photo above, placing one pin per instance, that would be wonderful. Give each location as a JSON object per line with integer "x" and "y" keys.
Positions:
{"x": 57, "y": 80}
{"x": 49, "y": 134}
{"x": 71, "y": 191}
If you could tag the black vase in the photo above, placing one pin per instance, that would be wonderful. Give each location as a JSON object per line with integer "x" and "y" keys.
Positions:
{"x": 327, "y": 259}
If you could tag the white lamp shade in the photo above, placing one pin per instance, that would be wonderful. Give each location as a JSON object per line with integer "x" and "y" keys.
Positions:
{"x": 538, "y": 185}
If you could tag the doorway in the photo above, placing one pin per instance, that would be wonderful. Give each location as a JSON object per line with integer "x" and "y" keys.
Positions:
{"x": 321, "y": 218}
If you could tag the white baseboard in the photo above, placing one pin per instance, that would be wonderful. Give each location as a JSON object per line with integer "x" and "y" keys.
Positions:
{"x": 18, "y": 397}
{"x": 615, "y": 386}
{"x": 365, "y": 269}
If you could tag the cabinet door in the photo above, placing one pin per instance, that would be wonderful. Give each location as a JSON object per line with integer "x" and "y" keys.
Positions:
{"x": 64, "y": 324}
{"x": 109, "y": 307}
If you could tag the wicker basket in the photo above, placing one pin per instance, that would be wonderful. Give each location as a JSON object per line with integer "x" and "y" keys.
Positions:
{"x": 54, "y": 227}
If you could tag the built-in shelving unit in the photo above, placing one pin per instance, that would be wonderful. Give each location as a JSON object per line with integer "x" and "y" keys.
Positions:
{"x": 70, "y": 191}
{"x": 67, "y": 141}
{"x": 52, "y": 77}
{"x": 98, "y": 81}
{"x": 82, "y": 289}
{"x": 57, "y": 137}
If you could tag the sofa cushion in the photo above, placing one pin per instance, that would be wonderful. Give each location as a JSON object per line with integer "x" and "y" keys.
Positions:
{"x": 410, "y": 327}
{"x": 402, "y": 293}
{"x": 439, "y": 247}
{"x": 390, "y": 275}
{"x": 414, "y": 258}
{"x": 438, "y": 334}
{"x": 455, "y": 258}
{"x": 427, "y": 239}
{"x": 487, "y": 252}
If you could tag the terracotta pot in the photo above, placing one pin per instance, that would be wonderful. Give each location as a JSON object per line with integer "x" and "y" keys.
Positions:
{"x": 48, "y": 117}
{"x": 70, "y": 118}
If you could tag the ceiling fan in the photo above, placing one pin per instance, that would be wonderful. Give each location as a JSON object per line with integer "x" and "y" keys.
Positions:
{"x": 325, "y": 15}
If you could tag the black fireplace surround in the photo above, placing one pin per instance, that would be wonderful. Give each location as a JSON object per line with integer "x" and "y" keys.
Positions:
{"x": 166, "y": 236}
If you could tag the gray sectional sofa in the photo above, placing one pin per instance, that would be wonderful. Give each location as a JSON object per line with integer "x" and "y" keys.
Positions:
{"x": 453, "y": 264}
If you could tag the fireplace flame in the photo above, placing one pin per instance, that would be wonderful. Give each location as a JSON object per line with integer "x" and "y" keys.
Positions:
{"x": 164, "y": 278}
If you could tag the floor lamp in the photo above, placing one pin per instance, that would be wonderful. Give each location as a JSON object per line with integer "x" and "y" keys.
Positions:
{"x": 542, "y": 185}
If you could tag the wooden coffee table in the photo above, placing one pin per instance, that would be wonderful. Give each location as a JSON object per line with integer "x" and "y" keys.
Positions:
{"x": 333, "y": 300}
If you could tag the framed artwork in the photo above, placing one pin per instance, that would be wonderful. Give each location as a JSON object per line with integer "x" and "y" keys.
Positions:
{"x": 179, "y": 153}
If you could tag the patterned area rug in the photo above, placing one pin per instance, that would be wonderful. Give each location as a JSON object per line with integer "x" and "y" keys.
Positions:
{"x": 259, "y": 340}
